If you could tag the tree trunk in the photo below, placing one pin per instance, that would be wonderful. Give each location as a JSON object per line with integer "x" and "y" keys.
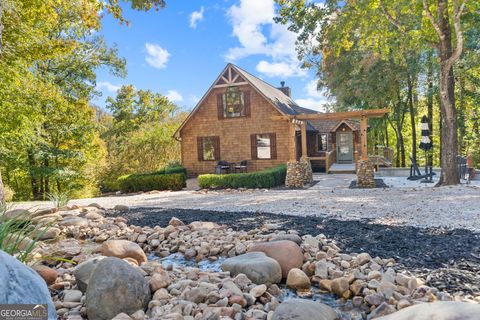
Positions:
{"x": 461, "y": 118}
{"x": 1, "y": 25}
{"x": 2, "y": 191}
{"x": 33, "y": 178}
{"x": 449, "y": 175}
{"x": 412, "y": 118}
{"x": 430, "y": 105}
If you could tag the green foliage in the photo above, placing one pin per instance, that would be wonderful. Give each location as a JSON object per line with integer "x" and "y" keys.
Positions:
{"x": 263, "y": 179}
{"x": 59, "y": 199}
{"x": 18, "y": 237}
{"x": 9, "y": 193}
{"x": 153, "y": 181}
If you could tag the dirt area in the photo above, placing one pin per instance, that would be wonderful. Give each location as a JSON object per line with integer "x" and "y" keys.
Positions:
{"x": 422, "y": 205}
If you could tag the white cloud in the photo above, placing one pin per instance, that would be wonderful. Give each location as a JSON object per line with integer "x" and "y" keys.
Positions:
{"x": 311, "y": 89}
{"x": 108, "y": 86}
{"x": 279, "y": 69}
{"x": 174, "y": 96}
{"x": 157, "y": 56}
{"x": 253, "y": 26}
{"x": 196, "y": 17}
{"x": 311, "y": 103}
{"x": 316, "y": 99}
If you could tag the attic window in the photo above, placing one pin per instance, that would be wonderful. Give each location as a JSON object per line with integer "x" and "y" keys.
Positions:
{"x": 233, "y": 103}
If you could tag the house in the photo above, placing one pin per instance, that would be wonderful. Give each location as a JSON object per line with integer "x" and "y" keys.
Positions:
{"x": 234, "y": 121}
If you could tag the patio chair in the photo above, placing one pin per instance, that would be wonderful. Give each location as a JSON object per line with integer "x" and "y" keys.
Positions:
{"x": 242, "y": 167}
{"x": 415, "y": 173}
{"x": 222, "y": 167}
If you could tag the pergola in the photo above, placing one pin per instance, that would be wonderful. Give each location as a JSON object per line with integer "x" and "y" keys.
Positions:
{"x": 301, "y": 119}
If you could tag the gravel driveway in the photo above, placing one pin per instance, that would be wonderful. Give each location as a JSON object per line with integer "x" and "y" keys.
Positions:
{"x": 450, "y": 207}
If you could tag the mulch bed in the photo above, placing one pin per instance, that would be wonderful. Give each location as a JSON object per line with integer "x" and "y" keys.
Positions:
{"x": 450, "y": 257}
{"x": 378, "y": 184}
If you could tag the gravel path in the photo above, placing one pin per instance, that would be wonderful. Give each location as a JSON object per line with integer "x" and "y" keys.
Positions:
{"x": 449, "y": 207}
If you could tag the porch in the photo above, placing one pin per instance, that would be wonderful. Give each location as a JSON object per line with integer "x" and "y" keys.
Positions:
{"x": 345, "y": 146}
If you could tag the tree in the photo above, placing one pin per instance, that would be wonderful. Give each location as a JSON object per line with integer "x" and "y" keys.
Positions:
{"x": 379, "y": 25}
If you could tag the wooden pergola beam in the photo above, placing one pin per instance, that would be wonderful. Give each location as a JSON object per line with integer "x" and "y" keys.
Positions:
{"x": 372, "y": 113}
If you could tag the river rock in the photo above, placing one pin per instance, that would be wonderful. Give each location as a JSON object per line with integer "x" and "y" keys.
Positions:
{"x": 74, "y": 221}
{"x": 176, "y": 222}
{"x": 20, "y": 284}
{"x": 115, "y": 287}
{"x": 297, "y": 279}
{"x": 203, "y": 225}
{"x": 160, "y": 279}
{"x": 16, "y": 213}
{"x": 46, "y": 233}
{"x": 121, "y": 208}
{"x": 123, "y": 249}
{"x": 84, "y": 271}
{"x": 48, "y": 274}
{"x": 256, "y": 266}
{"x": 290, "y": 237}
{"x": 67, "y": 248}
{"x": 442, "y": 310}
{"x": 287, "y": 253}
{"x": 300, "y": 309}
{"x": 340, "y": 286}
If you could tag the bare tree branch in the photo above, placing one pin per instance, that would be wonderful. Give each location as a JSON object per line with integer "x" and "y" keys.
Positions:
{"x": 432, "y": 20}
{"x": 390, "y": 18}
{"x": 457, "y": 12}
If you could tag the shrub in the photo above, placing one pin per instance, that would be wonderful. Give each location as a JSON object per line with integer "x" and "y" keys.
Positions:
{"x": 9, "y": 193}
{"x": 170, "y": 170}
{"x": 263, "y": 179}
{"x": 152, "y": 181}
{"x": 58, "y": 198}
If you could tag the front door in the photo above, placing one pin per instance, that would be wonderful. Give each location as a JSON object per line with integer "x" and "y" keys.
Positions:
{"x": 344, "y": 146}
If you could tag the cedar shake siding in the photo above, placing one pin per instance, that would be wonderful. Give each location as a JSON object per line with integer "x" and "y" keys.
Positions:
{"x": 242, "y": 128}
{"x": 234, "y": 134}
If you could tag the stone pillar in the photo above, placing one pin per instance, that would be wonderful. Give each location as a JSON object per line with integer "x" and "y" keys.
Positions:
{"x": 299, "y": 173}
{"x": 365, "y": 174}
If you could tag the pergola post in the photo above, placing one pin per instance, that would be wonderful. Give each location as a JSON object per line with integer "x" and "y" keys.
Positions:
{"x": 292, "y": 142}
{"x": 363, "y": 137}
{"x": 304, "y": 139}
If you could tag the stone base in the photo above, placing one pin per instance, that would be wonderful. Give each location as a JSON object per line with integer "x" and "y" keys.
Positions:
{"x": 299, "y": 173}
{"x": 365, "y": 174}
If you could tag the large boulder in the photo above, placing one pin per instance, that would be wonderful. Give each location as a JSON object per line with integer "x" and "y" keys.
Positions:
{"x": 21, "y": 285}
{"x": 123, "y": 249}
{"x": 259, "y": 268}
{"x": 287, "y": 253}
{"x": 115, "y": 287}
{"x": 442, "y": 310}
{"x": 301, "y": 309}
{"x": 84, "y": 271}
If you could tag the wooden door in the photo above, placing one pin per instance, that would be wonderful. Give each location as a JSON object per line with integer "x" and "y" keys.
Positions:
{"x": 344, "y": 146}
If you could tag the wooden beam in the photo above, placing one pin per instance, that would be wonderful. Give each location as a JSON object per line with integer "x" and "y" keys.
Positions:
{"x": 304, "y": 139}
{"x": 363, "y": 137}
{"x": 371, "y": 113}
{"x": 292, "y": 152}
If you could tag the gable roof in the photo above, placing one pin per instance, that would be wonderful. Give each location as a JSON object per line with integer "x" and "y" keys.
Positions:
{"x": 279, "y": 100}
{"x": 332, "y": 125}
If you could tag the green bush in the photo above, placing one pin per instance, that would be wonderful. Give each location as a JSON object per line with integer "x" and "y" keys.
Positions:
{"x": 152, "y": 181}
{"x": 263, "y": 179}
{"x": 170, "y": 170}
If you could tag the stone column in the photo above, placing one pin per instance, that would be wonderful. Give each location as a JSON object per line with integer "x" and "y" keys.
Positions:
{"x": 365, "y": 174}
{"x": 299, "y": 173}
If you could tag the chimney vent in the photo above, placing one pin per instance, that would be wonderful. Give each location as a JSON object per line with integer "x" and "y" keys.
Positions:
{"x": 286, "y": 90}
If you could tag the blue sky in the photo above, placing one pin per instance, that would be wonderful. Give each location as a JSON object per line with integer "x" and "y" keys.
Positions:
{"x": 180, "y": 50}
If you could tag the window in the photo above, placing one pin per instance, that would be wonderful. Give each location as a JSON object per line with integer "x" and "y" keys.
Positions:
{"x": 233, "y": 103}
{"x": 322, "y": 139}
{"x": 264, "y": 146}
{"x": 208, "y": 148}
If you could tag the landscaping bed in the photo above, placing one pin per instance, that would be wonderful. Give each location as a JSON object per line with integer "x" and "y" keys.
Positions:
{"x": 451, "y": 257}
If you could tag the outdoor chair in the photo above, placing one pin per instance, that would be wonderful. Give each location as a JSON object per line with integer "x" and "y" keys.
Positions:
{"x": 242, "y": 167}
{"x": 415, "y": 173}
{"x": 222, "y": 167}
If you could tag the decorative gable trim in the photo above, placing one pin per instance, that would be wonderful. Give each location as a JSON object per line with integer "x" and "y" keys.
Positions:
{"x": 229, "y": 78}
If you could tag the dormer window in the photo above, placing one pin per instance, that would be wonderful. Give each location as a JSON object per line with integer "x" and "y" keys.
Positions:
{"x": 233, "y": 103}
